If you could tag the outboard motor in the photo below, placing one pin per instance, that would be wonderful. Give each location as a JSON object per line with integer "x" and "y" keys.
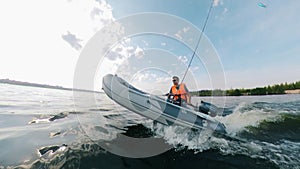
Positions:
{"x": 208, "y": 108}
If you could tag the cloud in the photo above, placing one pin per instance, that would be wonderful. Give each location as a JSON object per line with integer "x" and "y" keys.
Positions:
{"x": 125, "y": 50}
{"x": 217, "y": 2}
{"x": 151, "y": 76}
{"x": 72, "y": 40}
{"x": 179, "y": 34}
{"x": 102, "y": 13}
{"x": 162, "y": 79}
{"x": 119, "y": 52}
{"x": 96, "y": 12}
{"x": 139, "y": 52}
{"x": 146, "y": 43}
{"x": 143, "y": 77}
{"x": 225, "y": 11}
{"x": 195, "y": 68}
{"x": 185, "y": 29}
{"x": 183, "y": 59}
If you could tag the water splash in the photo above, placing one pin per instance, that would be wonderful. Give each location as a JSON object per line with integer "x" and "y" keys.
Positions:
{"x": 282, "y": 153}
{"x": 246, "y": 115}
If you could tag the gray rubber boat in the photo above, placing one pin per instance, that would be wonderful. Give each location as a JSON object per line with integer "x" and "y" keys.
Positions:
{"x": 157, "y": 108}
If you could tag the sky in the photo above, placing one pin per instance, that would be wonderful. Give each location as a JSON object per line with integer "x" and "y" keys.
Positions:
{"x": 42, "y": 42}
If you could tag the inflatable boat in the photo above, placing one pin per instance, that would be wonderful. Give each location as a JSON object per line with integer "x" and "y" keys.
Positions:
{"x": 158, "y": 108}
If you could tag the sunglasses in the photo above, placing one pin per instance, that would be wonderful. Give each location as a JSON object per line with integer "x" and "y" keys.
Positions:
{"x": 174, "y": 80}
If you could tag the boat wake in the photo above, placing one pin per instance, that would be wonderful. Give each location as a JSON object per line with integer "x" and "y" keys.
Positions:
{"x": 251, "y": 131}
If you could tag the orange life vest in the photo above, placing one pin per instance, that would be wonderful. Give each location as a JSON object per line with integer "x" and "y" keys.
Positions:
{"x": 181, "y": 91}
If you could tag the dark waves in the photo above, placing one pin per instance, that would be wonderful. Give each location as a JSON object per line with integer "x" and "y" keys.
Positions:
{"x": 287, "y": 127}
{"x": 92, "y": 155}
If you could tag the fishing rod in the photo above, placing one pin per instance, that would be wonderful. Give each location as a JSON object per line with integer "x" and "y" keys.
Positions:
{"x": 197, "y": 45}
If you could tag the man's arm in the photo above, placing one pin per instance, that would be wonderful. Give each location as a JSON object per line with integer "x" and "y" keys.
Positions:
{"x": 170, "y": 93}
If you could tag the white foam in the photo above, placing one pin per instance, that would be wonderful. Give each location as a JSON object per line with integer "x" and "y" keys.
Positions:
{"x": 39, "y": 121}
{"x": 181, "y": 137}
{"x": 239, "y": 119}
{"x": 284, "y": 154}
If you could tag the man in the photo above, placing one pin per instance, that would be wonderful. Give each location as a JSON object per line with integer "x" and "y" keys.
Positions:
{"x": 179, "y": 92}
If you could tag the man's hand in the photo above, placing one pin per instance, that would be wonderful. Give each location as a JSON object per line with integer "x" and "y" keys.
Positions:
{"x": 168, "y": 94}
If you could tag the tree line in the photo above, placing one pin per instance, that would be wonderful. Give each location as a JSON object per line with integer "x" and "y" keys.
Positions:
{"x": 267, "y": 90}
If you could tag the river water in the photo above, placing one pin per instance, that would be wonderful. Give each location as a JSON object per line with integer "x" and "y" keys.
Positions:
{"x": 44, "y": 128}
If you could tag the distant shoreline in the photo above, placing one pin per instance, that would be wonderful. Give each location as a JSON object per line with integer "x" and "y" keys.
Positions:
{"x": 277, "y": 89}
{"x": 286, "y": 92}
{"x": 296, "y": 91}
{"x": 20, "y": 83}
